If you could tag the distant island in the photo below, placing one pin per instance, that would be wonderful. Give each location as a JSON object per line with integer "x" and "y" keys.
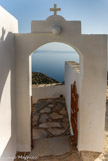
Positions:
{"x": 40, "y": 78}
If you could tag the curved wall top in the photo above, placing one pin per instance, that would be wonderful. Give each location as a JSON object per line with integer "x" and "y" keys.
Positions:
{"x": 73, "y": 27}
{"x": 41, "y": 33}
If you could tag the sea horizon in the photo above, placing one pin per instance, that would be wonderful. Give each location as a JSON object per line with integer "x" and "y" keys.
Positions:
{"x": 52, "y": 63}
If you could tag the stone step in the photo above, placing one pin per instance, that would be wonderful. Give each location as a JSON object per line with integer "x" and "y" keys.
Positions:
{"x": 51, "y": 146}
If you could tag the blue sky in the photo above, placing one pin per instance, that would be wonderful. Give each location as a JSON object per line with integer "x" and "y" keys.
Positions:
{"x": 56, "y": 47}
{"x": 92, "y": 13}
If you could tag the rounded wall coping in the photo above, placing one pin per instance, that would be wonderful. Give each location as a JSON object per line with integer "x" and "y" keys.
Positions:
{"x": 55, "y": 17}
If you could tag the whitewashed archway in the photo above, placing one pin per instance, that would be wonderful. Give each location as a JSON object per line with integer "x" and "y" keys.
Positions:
{"x": 93, "y": 52}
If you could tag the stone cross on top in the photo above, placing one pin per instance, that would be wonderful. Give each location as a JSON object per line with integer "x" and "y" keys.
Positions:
{"x": 55, "y": 9}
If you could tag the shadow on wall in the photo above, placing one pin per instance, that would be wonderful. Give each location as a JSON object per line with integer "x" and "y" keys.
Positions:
{"x": 3, "y": 34}
{"x": 6, "y": 51}
{"x": 7, "y": 95}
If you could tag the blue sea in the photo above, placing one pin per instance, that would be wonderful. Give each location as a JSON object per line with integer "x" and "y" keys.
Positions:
{"x": 52, "y": 63}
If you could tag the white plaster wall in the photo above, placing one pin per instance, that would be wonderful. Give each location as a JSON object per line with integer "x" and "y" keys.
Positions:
{"x": 107, "y": 53}
{"x": 47, "y": 91}
{"x": 93, "y": 97}
{"x": 71, "y": 75}
{"x": 8, "y": 26}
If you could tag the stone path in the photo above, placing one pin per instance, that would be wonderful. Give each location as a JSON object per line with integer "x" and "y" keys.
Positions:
{"x": 50, "y": 118}
{"x": 62, "y": 152}
{"x": 55, "y": 146}
{"x": 67, "y": 157}
{"x": 51, "y": 133}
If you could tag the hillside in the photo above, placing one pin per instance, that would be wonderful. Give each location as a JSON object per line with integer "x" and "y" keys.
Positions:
{"x": 39, "y": 78}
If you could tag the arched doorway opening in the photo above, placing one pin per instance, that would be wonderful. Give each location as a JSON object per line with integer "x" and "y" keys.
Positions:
{"x": 50, "y": 59}
{"x": 53, "y": 60}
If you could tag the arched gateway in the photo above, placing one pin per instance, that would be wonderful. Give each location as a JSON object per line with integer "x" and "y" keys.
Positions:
{"x": 93, "y": 66}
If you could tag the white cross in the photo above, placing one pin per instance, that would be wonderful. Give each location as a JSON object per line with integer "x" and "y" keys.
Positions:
{"x": 55, "y": 9}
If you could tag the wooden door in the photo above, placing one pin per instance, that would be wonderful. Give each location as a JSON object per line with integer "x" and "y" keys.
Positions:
{"x": 74, "y": 111}
{"x": 31, "y": 122}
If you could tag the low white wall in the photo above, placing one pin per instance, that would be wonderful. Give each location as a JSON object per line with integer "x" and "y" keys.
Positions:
{"x": 47, "y": 91}
{"x": 8, "y": 25}
{"x": 71, "y": 75}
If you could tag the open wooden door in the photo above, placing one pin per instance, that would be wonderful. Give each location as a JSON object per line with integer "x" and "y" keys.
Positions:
{"x": 74, "y": 111}
{"x": 32, "y": 122}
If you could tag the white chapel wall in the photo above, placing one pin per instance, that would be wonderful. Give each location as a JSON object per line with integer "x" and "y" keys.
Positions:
{"x": 8, "y": 26}
{"x": 93, "y": 97}
{"x": 71, "y": 75}
{"x": 47, "y": 91}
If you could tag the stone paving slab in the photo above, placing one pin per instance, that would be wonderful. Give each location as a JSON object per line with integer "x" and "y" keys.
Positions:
{"x": 51, "y": 146}
{"x": 71, "y": 154}
{"x": 51, "y": 117}
{"x": 69, "y": 157}
{"x": 39, "y": 133}
{"x": 89, "y": 156}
